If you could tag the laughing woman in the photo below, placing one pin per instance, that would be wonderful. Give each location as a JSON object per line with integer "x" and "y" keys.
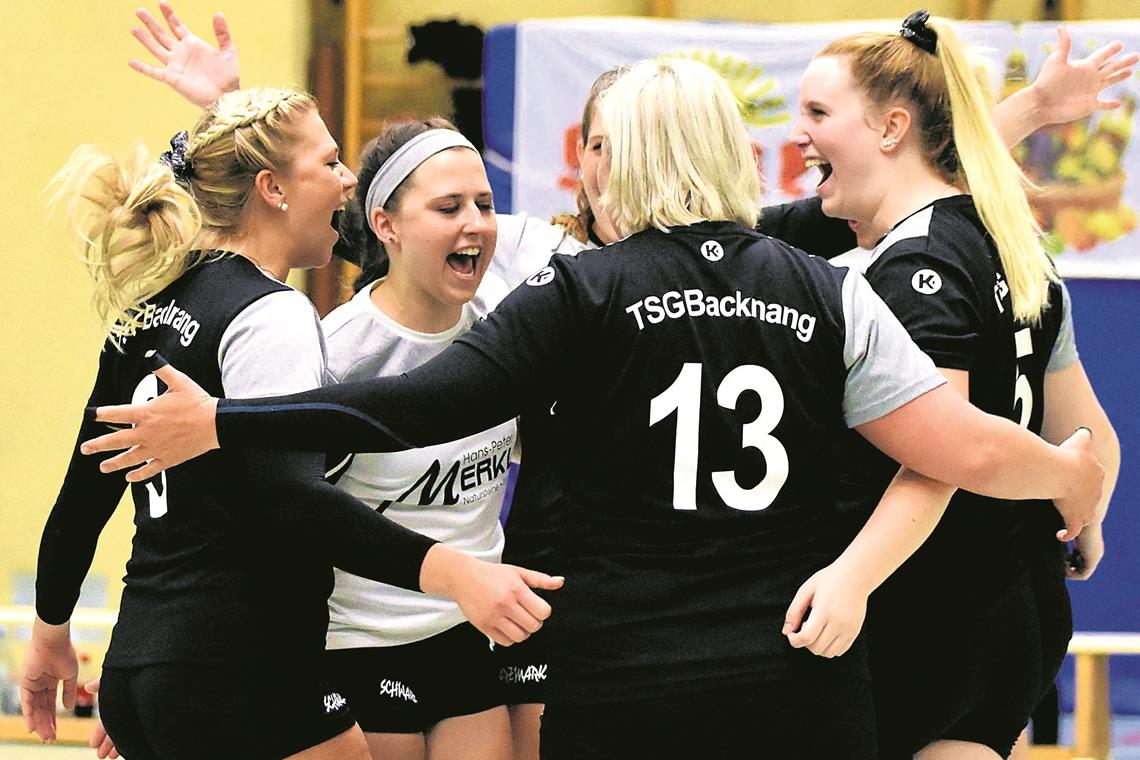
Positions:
{"x": 900, "y": 130}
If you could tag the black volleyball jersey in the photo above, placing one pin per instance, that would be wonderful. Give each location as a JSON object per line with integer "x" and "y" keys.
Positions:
{"x": 704, "y": 381}
{"x": 533, "y": 523}
{"x": 803, "y": 224}
{"x": 940, "y": 273}
{"x": 222, "y": 562}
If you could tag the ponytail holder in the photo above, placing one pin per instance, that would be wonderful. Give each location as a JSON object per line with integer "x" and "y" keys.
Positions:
{"x": 914, "y": 29}
{"x": 176, "y": 159}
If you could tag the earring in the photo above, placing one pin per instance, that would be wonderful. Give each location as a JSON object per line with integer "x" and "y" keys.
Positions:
{"x": 888, "y": 142}
{"x": 282, "y": 205}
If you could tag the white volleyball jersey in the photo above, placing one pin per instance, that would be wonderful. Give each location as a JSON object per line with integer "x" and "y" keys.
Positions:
{"x": 451, "y": 492}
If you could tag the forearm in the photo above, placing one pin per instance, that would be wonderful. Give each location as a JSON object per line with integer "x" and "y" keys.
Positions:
{"x": 457, "y": 394}
{"x": 352, "y": 535}
{"x": 86, "y": 500}
{"x": 905, "y": 517}
{"x": 50, "y": 636}
{"x": 944, "y": 437}
{"x": 1019, "y": 116}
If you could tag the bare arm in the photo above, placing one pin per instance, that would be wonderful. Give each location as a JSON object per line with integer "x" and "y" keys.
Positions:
{"x": 837, "y": 595}
{"x": 1064, "y": 90}
{"x": 1074, "y": 403}
{"x": 941, "y": 435}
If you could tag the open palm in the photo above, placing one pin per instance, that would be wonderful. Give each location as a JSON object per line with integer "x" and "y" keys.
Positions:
{"x": 192, "y": 67}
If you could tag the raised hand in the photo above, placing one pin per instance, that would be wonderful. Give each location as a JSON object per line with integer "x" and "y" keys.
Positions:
{"x": 1068, "y": 90}
{"x": 192, "y": 67}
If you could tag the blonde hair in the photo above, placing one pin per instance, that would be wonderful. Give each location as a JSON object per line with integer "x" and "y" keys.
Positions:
{"x": 679, "y": 150}
{"x": 960, "y": 142}
{"x": 136, "y": 224}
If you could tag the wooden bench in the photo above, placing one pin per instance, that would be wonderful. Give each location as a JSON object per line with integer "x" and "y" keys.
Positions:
{"x": 1092, "y": 712}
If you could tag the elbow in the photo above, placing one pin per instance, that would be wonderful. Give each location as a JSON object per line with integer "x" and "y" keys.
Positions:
{"x": 981, "y": 466}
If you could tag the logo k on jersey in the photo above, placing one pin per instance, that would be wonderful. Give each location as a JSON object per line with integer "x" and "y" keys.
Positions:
{"x": 712, "y": 250}
{"x": 926, "y": 281}
{"x": 541, "y": 277}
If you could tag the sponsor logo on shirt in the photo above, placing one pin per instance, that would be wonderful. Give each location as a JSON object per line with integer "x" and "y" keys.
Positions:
{"x": 397, "y": 690}
{"x": 694, "y": 303}
{"x": 926, "y": 281}
{"x": 484, "y": 468}
{"x": 334, "y": 702}
{"x": 517, "y": 674}
{"x": 541, "y": 277}
{"x": 712, "y": 250}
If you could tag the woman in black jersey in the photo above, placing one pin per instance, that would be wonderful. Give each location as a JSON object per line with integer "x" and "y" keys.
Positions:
{"x": 898, "y": 126}
{"x": 232, "y": 556}
{"x": 705, "y": 379}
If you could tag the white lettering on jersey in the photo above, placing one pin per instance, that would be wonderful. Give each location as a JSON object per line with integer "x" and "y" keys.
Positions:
{"x": 1001, "y": 290}
{"x": 541, "y": 277}
{"x": 712, "y": 250}
{"x": 170, "y": 315}
{"x": 694, "y": 303}
{"x": 926, "y": 281}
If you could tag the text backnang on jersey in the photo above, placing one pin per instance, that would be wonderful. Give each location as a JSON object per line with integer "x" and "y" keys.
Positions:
{"x": 694, "y": 303}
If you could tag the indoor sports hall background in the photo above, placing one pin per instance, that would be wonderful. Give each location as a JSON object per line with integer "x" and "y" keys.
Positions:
{"x": 67, "y": 83}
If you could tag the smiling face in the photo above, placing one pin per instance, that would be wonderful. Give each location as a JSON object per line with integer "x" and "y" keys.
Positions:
{"x": 316, "y": 185}
{"x": 441, "y": 235}
{"x": 835, "y": 133}
{"x": 595, "y": 173}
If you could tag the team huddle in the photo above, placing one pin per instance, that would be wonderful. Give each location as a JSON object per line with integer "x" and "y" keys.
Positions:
{"x": 747, "y": 474}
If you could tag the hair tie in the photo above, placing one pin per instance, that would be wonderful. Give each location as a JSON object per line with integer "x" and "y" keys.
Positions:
{"x": 914, "y": 29}
{"x": 176, "y": 159}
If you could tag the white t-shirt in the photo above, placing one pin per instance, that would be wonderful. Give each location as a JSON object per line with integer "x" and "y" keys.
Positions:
{"x": 452, "y": 492}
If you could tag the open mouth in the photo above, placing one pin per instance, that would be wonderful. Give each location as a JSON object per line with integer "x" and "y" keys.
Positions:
{"x": 336, "y": 220}
{"x": 823, "y": 166}
{"x": 464, "y": 260}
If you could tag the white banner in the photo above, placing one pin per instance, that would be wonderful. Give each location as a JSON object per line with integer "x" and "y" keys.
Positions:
{"x": 1086, "y": 169}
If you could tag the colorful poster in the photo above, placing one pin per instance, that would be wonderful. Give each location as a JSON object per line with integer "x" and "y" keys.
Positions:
{"x": 1087, "y": 197}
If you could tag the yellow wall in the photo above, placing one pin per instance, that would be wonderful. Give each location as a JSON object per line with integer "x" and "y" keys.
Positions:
{"x": 66, "y": 83}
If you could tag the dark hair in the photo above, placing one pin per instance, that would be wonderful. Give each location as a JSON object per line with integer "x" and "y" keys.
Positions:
{"x": 358, "y": 242}
{"x": 580, "y": 225}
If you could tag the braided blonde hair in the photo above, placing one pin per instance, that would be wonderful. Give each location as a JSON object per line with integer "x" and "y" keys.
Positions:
{"x": 137, "y": 226}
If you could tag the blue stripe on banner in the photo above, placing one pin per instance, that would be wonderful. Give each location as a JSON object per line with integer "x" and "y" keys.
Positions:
{"x": 499, "y": 47}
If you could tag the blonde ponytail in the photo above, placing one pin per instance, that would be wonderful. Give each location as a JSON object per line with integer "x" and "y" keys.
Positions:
{"x": 995, "y": 182}
{"x": 960, "y": 143}
{"x": 135, "y": 224}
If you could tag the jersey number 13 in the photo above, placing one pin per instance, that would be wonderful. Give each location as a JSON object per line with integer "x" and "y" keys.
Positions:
{"x": 684, "y": 398}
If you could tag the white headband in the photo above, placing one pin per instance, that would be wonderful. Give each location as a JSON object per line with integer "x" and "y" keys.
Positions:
{"x": 405, "y": 160}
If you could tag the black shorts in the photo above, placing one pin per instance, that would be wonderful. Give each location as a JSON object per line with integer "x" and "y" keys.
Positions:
{"x": 189, "y": 710}
{"x": 522, "y": 670}
{"x": 805, "y": 719}
{"x": 960, "y": 674}
{"x": 409, "y": 688}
